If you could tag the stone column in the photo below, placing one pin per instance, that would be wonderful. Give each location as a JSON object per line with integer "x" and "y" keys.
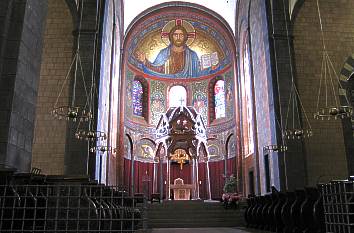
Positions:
{"x": 154, "y": 178}
{"x": 197, "y": 178}
{"x": 225, "y": 164}
{"x": 208, "y": 180}
{"x": 193, "y": 178}
{"x": 132, "y": 188}
{"x": 168, "y": 178}
{"x": 22, "y": 26}
{"x": 76, "y": 151}
{"x": 161, "y": 180}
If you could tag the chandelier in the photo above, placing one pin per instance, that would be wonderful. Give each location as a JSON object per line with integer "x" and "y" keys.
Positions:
{"x": 73, "y": 112}
{"x": 89, "y": 133}
{"x": 103, "y": 149}
{"x": 328, "y": 103}
{"x": 279, "y": 147}
{"x": 295, "y": 128}
{"x": 180, "y": 156}
{"x": 276, "y": 148}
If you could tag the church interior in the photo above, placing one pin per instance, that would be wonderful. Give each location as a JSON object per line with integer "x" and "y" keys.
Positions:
{"x": 121, "y": 104}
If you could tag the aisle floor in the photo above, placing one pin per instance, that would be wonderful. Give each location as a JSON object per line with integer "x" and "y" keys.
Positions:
{"x": 205, "y": 230}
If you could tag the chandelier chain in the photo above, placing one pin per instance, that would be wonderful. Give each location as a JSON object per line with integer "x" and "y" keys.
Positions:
{"x": 90, "y": 134}
{"x": 333, "y": 108}
{"x": 321, "y": 25}
{"x": 294, "y": 94}
{"x": 93, "y": 70}
{"x": 65, "y": 80}
{"x": 303, "y": 109}
{"x": 83, "y": 80}
{"x": 332, "y": 84}
{"x": 77, "y": 54}
{"x": 323, "y": 64}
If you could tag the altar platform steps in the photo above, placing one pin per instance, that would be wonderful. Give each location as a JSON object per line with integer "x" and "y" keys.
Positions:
{"x": 192, "y": 214}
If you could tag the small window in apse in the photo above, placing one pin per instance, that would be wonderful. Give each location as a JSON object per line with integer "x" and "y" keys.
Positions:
{"x": 177, "y": 96}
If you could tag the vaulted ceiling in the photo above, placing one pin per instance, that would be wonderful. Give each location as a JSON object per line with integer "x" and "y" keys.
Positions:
{"x": 225, "y": 8}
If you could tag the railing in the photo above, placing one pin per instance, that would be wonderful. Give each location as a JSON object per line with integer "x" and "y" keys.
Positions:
{"x": 69, "y": 208}
{"x": 338, "y": 203}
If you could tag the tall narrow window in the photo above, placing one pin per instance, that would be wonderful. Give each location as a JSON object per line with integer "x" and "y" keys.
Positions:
{"x": 137, "y": 98}
{"x": 247, "y": 103}
{"x": 219, "y": 98}
{"x": 177, "y": 96}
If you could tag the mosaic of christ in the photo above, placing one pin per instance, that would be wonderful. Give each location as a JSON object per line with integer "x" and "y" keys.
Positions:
{"x": 178, "y": 50}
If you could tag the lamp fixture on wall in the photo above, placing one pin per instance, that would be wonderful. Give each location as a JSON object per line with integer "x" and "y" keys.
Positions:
{"x": 73, "y": 112}
{"x": 328, "y": 103}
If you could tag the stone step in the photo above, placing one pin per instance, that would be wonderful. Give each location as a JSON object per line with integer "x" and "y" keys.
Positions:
{"x": 186, "y": 224}
{"x": 192, "y": 214}
{"x": 194, "y": 220}
{"x": 177, "y": 213}
{"x": 176, "y": 204}
{"x": 186, "y": 216}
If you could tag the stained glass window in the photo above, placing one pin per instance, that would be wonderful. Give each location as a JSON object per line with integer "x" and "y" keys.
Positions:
{"x": 177, "y": 96}
{"x": 219, "y": 95}
{"x": 137, "y": 98}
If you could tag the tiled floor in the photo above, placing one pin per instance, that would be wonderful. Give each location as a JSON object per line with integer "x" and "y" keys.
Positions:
{"x": 203, "y": 230}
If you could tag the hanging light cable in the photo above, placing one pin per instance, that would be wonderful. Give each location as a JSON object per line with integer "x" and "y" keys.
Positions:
{"x": 73, "y": 112}
{"x": 296, "y": 129}
{"x": 328, "y": 106}
{"x": 280, "y": 146}
{"x": 104, "y": 145}
{"x": 89, "y": 133}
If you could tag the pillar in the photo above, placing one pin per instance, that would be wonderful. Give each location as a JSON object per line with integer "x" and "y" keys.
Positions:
{"x": 132, "y": 185}
{"x": 197, "y": 178}
{"x": 208, "y": 181}
{"x": 154, "y": 178}
{"x": 168, "y": 178}
{"x": 193, "y": 178}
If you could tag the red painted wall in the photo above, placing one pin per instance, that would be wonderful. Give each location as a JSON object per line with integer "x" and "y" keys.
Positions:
{"x": 216, "y": 176}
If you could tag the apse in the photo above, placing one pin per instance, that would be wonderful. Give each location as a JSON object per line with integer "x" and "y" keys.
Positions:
{"x": 178, "y": 54}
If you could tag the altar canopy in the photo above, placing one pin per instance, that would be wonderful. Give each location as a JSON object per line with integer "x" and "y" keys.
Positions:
{"x": 181, "y": 129}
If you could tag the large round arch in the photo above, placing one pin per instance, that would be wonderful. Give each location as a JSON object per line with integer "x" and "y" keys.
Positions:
{"x": 209, "y": 52}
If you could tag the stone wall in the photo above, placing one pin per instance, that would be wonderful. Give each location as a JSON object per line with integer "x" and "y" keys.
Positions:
{"x": 21, "y": 48}
{"x": 265, "y": 131}
{"x": 293, "y": 161}
{"x": 326, "y": 158}
{"x": 76, "y": 151}
{"x": 50, "y": 134}
{"x": 263, "y": 88}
